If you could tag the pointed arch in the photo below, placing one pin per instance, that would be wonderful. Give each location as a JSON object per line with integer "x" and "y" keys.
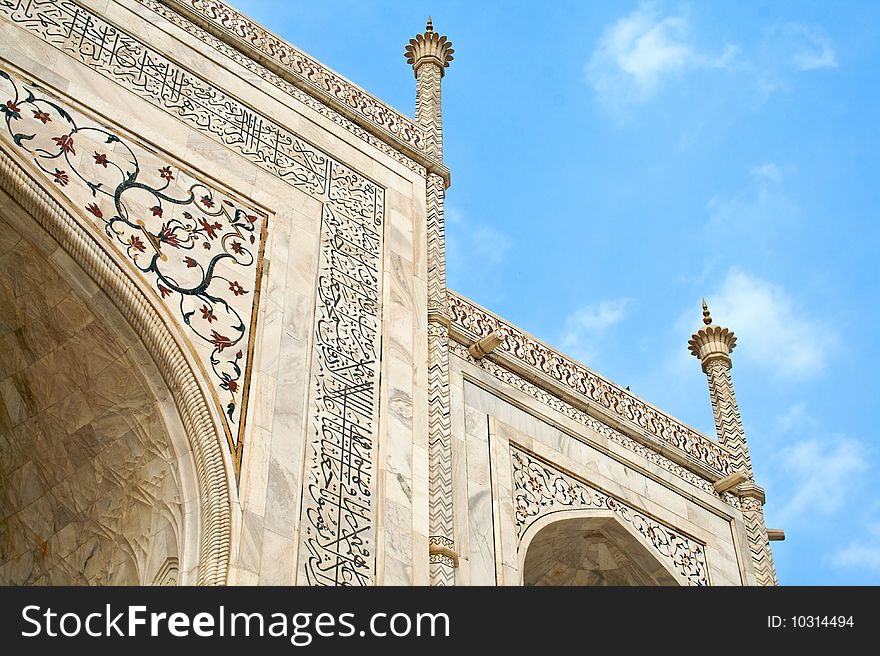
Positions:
{"x": 205, "y": 438}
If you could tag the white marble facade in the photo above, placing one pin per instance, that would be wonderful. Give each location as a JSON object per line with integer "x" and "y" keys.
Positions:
{"x": 293, "y": 448}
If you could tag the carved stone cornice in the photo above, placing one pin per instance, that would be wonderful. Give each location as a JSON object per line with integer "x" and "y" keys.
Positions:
{"x": 560, "y": 375}
{"x": 294, "y": 66}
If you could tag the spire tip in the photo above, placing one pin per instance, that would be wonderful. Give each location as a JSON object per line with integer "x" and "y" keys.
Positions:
{"x": 707, "y": 318}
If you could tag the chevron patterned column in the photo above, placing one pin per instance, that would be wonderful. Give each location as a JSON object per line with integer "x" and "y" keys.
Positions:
{"x": 430, "y": 54}
{"x": 713, "y": 345}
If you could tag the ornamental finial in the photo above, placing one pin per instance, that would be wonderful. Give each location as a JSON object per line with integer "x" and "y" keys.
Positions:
{"x": 707, "y": 318}
{"x": 429, "y": 47}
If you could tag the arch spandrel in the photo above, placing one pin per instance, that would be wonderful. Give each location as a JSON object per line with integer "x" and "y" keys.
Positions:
{"x": 194, "y": 250}
{"x": 207, "y": 452}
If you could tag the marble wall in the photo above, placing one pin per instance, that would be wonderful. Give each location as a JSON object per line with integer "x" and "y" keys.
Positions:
{"x": 89, "y": 484}
{"x": 521, "y": 465}
{"x": 206, "y": 109}
{"x": 337, "y": 356}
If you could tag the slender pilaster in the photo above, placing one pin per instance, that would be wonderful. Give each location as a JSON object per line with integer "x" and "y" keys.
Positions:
{"x": 429, "y": 55}
{"x": 713, "y": 345}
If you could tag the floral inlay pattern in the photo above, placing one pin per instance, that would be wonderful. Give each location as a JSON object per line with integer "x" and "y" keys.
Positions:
{"x": 198, "y": 248}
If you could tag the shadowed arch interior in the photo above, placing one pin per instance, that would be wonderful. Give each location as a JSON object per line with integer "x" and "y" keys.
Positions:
{"x": 591, "y": 551}
{"x": 90, "y": 486}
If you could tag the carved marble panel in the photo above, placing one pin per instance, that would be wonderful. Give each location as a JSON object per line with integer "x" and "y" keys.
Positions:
{"x": 540, "y": 489}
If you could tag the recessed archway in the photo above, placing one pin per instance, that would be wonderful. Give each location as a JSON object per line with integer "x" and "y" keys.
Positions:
{"x": 96, "y": 481}
{"x": 204, "y": 465}
{"x": 589, "y": 549}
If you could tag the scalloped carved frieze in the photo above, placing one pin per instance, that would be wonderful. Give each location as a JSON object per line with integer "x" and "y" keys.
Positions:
{"x": 559, "y": 405}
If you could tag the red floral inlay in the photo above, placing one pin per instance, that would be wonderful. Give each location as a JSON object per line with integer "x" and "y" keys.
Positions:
{"x": 167, "y": 236}
{"x": 65, "y": 143}
{"x": 166, "y": 174}
{"x": 61, "y": 177}
{"x": 101, "y": 159}
{"x": 136, "y": 243}
{"x": 94, "y": 209}
{"x": 42, "y": 116}
{"x": 220, "y": 341}
{"x": 208, "y": 314}
{"x": 211, "y": 228}
{"x": 236, "y": 288}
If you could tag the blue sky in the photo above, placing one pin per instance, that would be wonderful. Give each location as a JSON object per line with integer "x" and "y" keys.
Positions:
{"x": 613, "y": 162}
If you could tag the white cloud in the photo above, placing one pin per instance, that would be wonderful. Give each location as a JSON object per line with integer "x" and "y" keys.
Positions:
{"x": 795, "y": 418}
{"x": 822, "y": 472}
{"x": 635, "y": 55}
{"x": 860, "y": 553}
{"x": 585, "y": 327}
{"x": 644, "y": 50}
{"x": 475, "y": 251}
{"x": 787, "y": 49}
{"x": 772, "y": 330}
{"x": 767, "y": 171}
{"x": 811, "y": 47}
